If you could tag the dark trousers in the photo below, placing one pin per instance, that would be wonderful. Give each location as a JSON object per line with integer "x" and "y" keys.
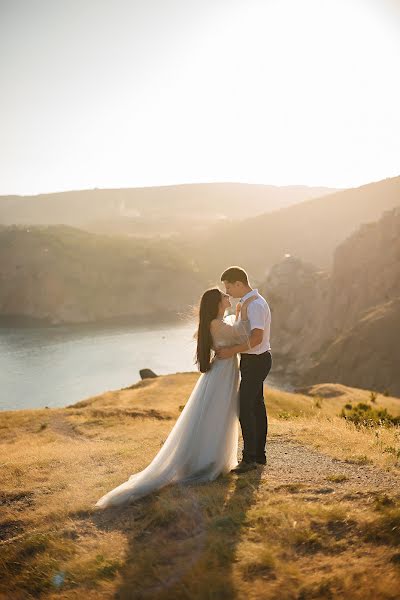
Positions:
{"x": 253, "y": 415}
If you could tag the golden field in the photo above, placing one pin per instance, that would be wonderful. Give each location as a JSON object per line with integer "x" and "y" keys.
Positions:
{"x": 321, "y": 520}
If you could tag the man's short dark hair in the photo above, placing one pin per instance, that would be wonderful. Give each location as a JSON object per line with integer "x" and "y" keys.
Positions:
{"x": 234, "y": 274}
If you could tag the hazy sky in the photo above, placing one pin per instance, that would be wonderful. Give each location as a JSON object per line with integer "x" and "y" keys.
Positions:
{"x": 115, "y": 93}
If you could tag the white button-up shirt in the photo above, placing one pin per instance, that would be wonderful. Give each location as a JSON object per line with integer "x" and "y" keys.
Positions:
{"x": 259, "y": 315}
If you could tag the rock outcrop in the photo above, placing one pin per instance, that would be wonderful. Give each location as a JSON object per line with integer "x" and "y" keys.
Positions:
{"x": 366, "y": 272}
{"x": 147, "y": 374}
{"x": 343, "y": 326}
{"x": 296, "y": 292}
{"x": 365, "y": 355}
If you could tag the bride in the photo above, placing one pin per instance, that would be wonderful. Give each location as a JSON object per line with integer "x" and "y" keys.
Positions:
{"x": 203, "y": 443}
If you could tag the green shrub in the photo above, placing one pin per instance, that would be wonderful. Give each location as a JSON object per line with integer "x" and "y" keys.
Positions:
{"x": 364, "y": 415}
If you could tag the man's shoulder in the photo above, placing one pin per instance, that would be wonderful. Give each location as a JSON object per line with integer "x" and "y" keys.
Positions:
{"x": 259, "y": 303}
{"x": 260, "y": 300}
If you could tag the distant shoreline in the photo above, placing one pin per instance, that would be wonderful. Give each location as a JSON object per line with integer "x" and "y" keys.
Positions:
{"x": 59, "y": 365}
{"x": 165, "y": 318}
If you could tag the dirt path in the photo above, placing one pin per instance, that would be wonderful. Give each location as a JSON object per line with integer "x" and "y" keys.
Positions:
{"x": 290, "y": 463}
{"x": 60, "y": 425}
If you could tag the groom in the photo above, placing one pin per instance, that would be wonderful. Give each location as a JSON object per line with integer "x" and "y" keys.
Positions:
{"x": 255, "y": 364}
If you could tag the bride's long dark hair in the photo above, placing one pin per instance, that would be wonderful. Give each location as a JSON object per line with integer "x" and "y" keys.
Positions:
{"x": 209, "y": 306}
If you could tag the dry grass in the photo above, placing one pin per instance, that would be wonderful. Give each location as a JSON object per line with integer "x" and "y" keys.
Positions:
{"x": 300, "y": 417}
{"x": 233, "y": 538}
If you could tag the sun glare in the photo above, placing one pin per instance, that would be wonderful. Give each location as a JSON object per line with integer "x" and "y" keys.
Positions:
{"x": 267, "y": 91}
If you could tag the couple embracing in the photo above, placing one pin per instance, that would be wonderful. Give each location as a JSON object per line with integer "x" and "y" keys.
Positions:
{"x": 203, "y": 443}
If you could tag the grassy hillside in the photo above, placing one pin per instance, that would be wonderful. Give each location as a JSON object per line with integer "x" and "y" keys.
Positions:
{"x": 153, "y": 210}
{"x": 314, "y": 523}
{"x": 63, "y": 274}
{"x": 310, "y": 230}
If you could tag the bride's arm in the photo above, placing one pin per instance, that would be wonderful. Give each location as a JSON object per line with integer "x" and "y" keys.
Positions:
{"x": 241, "y": 309}
{"x": 241, "y": 327}
{"x": 237, "y": 311}
{"x": 249, "y": 338}
{"x": 233, "y": 331}
{"x": 244, "y": 306}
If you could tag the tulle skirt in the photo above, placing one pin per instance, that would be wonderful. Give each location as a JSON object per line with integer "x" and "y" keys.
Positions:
{"x": 202, "y": 444}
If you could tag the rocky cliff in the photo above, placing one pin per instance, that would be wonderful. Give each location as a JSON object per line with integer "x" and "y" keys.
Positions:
{"x": 62, "y": 274}
{"x": 366, "y": 272}
{"x": 296, "y": 292}
{"x": 341, "y": 326}
{"x": 366, "y": 354}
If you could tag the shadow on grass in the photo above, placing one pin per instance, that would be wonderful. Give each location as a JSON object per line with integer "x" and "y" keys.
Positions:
{"x": 182, "y": 540}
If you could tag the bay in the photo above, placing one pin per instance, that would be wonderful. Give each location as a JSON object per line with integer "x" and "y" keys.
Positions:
{"x": 58, "y": 365}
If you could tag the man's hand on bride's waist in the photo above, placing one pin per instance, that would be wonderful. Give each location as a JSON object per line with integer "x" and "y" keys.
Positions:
{"x": 223, "y": 353}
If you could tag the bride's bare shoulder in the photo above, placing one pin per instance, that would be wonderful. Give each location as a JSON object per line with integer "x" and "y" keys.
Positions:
{"x": 216, "y": 324}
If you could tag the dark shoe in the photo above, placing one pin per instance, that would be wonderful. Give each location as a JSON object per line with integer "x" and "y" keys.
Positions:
{"x": 244, "y": 466}
{"x": 262, "y": 461}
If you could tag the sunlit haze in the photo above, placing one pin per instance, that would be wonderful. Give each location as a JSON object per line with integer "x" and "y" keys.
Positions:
{"x": 125, "y": 93}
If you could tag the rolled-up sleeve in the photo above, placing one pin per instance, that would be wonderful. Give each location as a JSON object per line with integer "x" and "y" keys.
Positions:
{"x": 256, "y": 316}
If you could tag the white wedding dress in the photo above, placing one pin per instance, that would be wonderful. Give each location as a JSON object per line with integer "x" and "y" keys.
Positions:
{"x": 203, "y": 443}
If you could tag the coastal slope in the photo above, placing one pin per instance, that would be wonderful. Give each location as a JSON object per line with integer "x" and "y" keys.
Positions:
{"x": 313, "y": 523}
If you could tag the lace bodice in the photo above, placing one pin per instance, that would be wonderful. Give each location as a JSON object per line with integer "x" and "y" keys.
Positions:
{"x": 229, "y": 333}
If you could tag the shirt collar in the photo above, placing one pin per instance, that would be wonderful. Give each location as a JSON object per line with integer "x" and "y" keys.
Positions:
{"x": 249, "y": 294}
